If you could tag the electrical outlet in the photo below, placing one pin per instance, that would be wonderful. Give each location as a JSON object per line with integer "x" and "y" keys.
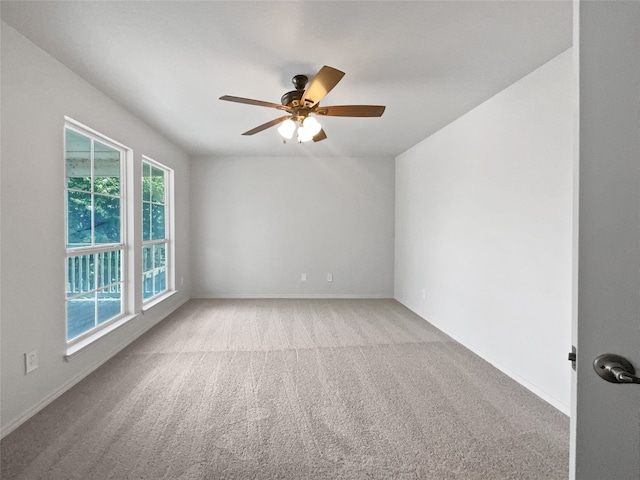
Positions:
{"x": 303, "y": 277}
{"x": 30, "y": 361}
{"x": 329, "y": 277}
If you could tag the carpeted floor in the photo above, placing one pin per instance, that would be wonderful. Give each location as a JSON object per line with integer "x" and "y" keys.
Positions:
{"x": 292, "y": 389}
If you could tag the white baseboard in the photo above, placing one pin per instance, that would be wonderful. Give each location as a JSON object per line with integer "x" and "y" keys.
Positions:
{"x": 546, "y": 396}
{"x": 30, "y": 412}
{"x": 291, "y": 295}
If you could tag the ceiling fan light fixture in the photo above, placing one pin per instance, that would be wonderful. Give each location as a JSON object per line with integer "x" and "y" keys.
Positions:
{"x": 311, "y": 125}
{"x": 287, "y": 128}
{"x": 304, "y": 134}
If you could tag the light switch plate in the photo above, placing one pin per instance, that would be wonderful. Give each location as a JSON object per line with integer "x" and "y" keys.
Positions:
{"x": 30, "y": 361}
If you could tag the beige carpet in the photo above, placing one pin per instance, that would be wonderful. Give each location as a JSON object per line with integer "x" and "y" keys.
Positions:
{"x": 292, "y": 389}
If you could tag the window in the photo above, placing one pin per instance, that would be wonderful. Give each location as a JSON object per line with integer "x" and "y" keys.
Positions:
{"x": 94, "y": 231}
{"x": 156, "y": 217}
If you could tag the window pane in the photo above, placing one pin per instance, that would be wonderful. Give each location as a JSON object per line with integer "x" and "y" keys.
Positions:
{"x": 146, "y": 182}
{"x": 78, "y": 219}
{"x": 157, "y": 225}
{"x": 94, "y": 203}
{"x": 160, "y": 259}
{"x": 109, "y": 303}
{"x": 79, "y": 183}
{"x": 147, "y": 259}
{"x": 159, "y": 281}
{"x": 107, "y": 219}
{"x": 157, "y": 185}
{"x": 81, "y": 315}
{"x": 146, "y": 221}
{"x": 109, "y": 268}
{"x": 147, "y": 285}
{"x": 106, "y": 169}
{"x": 109, "y": 185}
{"x": 78, "y": 161}
{"x": 154, "y": 212}
{"x": 80, "y": 274}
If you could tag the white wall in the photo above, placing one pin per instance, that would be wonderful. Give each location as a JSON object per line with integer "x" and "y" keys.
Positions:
{"x": 37, "y": 92}
{"x": 259, "y": 223}
{"x": 484, "y": 226}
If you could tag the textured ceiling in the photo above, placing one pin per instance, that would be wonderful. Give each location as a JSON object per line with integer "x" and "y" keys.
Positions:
{"x": 169, "y": 61}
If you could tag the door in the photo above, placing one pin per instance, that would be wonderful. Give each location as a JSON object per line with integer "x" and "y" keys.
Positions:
{"x": 606, "y": 416}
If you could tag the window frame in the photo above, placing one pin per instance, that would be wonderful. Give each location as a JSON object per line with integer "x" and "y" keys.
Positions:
{"x": 97, "y": 249}
{"x": 167, "y": 240}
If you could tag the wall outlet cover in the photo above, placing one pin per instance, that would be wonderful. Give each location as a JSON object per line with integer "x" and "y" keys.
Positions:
{"x": 30, "y": 361}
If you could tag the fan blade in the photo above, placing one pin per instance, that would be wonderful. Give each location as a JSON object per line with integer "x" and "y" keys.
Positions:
{"x": 264, "y": 126}
{"x": 319, "y": 136}
{"x": 249, "y": 101}
{"x": 320, "y": 85}
{"x": 351, "y": 111}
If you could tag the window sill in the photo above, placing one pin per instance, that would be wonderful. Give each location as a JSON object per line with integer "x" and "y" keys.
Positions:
{"x": 155, "y": 301}
{"x": 76, "y": 349}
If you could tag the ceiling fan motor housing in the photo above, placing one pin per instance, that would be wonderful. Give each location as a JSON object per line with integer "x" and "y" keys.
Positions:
{"x": 299, "y": 82}
{"x": 292, "y": 98}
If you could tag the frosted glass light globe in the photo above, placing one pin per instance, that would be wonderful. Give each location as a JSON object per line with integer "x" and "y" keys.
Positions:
{"x": 304, "y": 134}
{"x": 287, "y": 128}
{"x": 312, "y": 126}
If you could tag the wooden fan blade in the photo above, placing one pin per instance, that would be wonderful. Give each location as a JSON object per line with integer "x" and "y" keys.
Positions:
{"x": 320, "y": 85}
{"x": 264, "y": 126}
{"x": 351, "y": 111}
{"x": 250, "y": 101}
{"x": 319, "y": 136}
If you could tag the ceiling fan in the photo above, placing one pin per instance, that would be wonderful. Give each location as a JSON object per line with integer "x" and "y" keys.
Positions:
{"x": 301, "y": 103}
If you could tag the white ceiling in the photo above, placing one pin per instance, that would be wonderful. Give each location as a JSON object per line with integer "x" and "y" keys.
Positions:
{"x": 169, "y": 61}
